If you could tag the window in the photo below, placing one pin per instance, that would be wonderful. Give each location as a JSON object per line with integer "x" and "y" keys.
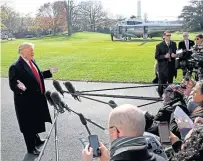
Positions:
{"x": 133, "y": 22}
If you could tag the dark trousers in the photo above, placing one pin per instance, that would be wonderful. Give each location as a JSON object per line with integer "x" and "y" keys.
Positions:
{"x": 156, "y": 79}
{"x": 111, "y": 37}
{"x": 31, "y": 139}
{"x": 184, "y": 73}
{"x": 163, "y": 79}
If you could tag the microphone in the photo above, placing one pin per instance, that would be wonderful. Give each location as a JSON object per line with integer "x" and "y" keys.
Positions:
{"x": 48, "y": 97}
{"x": 58, "y": 87}
{"x": 82, "y": 119}
{"x": 57, "y": 100}
{"x": 71, "y": 89}
{"x": 84, "y": 122}
{"x": 112, "y": 104}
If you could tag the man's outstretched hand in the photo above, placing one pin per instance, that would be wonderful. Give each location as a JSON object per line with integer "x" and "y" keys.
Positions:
{"x": 54, "y": 70}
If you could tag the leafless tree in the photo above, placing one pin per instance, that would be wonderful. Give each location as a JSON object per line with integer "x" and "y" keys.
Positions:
{"x": 9, "y": 18}
{"x": 91, "y": 13}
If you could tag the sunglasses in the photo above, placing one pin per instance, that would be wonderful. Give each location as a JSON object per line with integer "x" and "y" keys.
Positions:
{"x": 168, "y": 35}
{"x": 115, "y": 128}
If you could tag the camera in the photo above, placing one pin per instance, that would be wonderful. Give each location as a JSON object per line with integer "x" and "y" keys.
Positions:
{"x": 191, "y": 61}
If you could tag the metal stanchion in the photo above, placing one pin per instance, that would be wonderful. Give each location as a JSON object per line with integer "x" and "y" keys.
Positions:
{"x": 56, "y": 136}
{"x": 56, "y": 114}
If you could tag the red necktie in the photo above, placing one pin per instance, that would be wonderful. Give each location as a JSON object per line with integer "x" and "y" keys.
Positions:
{"x": 36, "y": 75}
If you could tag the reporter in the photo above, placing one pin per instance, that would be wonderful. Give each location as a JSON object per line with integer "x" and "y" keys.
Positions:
{"x": 126, "y": 126}
{"x": 198, "y": 99}
{"x": 198, "y": 92}
{"x": 195, "y": 107}
{"x": 199, "y": 40}
{"x": 192, "y": 147}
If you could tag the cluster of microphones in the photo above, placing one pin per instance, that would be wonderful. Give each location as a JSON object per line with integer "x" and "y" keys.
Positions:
{"x": 60, "y": 106}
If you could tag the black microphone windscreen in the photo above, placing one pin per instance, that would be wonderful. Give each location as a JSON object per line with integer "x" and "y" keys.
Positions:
{"x": 82, "y": 119}
{"x": 112, "y": 104}
{"x": 58, "y": 87}
{"x": 69, "y": 87}
{"x": 48, "y": 97}
{"x": 56, "y": 98}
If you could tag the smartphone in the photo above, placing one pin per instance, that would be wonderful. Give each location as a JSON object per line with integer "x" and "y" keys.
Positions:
{"x": 94, "y": 144}
{"x": 164, "y": 132}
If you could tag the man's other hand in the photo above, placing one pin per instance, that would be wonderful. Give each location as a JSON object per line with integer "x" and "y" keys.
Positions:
{"x": 21, "y": 86}
{"x": 54, "y": 70}
{"x": 87, "y": 153}
{"x": 105, "y": 156}
{"x": 173, "y": 55}
{"x": 167, "y": 55}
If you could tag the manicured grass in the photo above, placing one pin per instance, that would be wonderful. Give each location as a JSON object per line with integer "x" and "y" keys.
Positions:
{"x": 90, "y": 56}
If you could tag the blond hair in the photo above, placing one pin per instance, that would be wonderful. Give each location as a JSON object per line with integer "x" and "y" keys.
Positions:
{"x": 25, "y": 45}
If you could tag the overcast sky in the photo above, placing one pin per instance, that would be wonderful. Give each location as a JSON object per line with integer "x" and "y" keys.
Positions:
{"x": 156, "y": 9}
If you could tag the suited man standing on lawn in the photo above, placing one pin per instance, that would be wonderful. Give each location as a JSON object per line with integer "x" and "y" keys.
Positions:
{"x": 27, "y": 83}
{"x": 165, "y": 55}
{"x": 186, "y": 44}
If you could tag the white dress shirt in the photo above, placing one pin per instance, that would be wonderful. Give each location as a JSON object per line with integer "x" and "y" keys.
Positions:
{"x": 187, "y": 44}
{"x": 27, "y": 61}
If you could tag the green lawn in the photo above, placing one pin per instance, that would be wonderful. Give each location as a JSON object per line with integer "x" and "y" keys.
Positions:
{"x": 89, "y": 56}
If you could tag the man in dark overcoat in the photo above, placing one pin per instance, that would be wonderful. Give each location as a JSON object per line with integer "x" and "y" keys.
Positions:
{"x": 165, "y": 56}
{"x": 27, "y": 83}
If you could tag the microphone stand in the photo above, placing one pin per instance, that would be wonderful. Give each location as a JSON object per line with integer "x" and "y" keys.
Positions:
{"x": 129, "y": 87}
{"x": 88, "y": 120}
{"x": 116, "y": 96}
{"x": 56, "y": 114}
{"x": 96, "y": 100}
{"x": 56, "y": 135}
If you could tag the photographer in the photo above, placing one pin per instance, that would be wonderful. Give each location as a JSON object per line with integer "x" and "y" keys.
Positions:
{"x": 186, "y": 44}
{"x": 126, "y": 127}
{"x": 165, "y": 55}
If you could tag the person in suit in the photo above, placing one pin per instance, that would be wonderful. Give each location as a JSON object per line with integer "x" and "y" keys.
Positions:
{"x": 112, "y": 35}
{"x": 186, "y": 44}
{"x": 165, "y": 55}
{"x": 27, "y": 83}
{"x": 156, "y": 79}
